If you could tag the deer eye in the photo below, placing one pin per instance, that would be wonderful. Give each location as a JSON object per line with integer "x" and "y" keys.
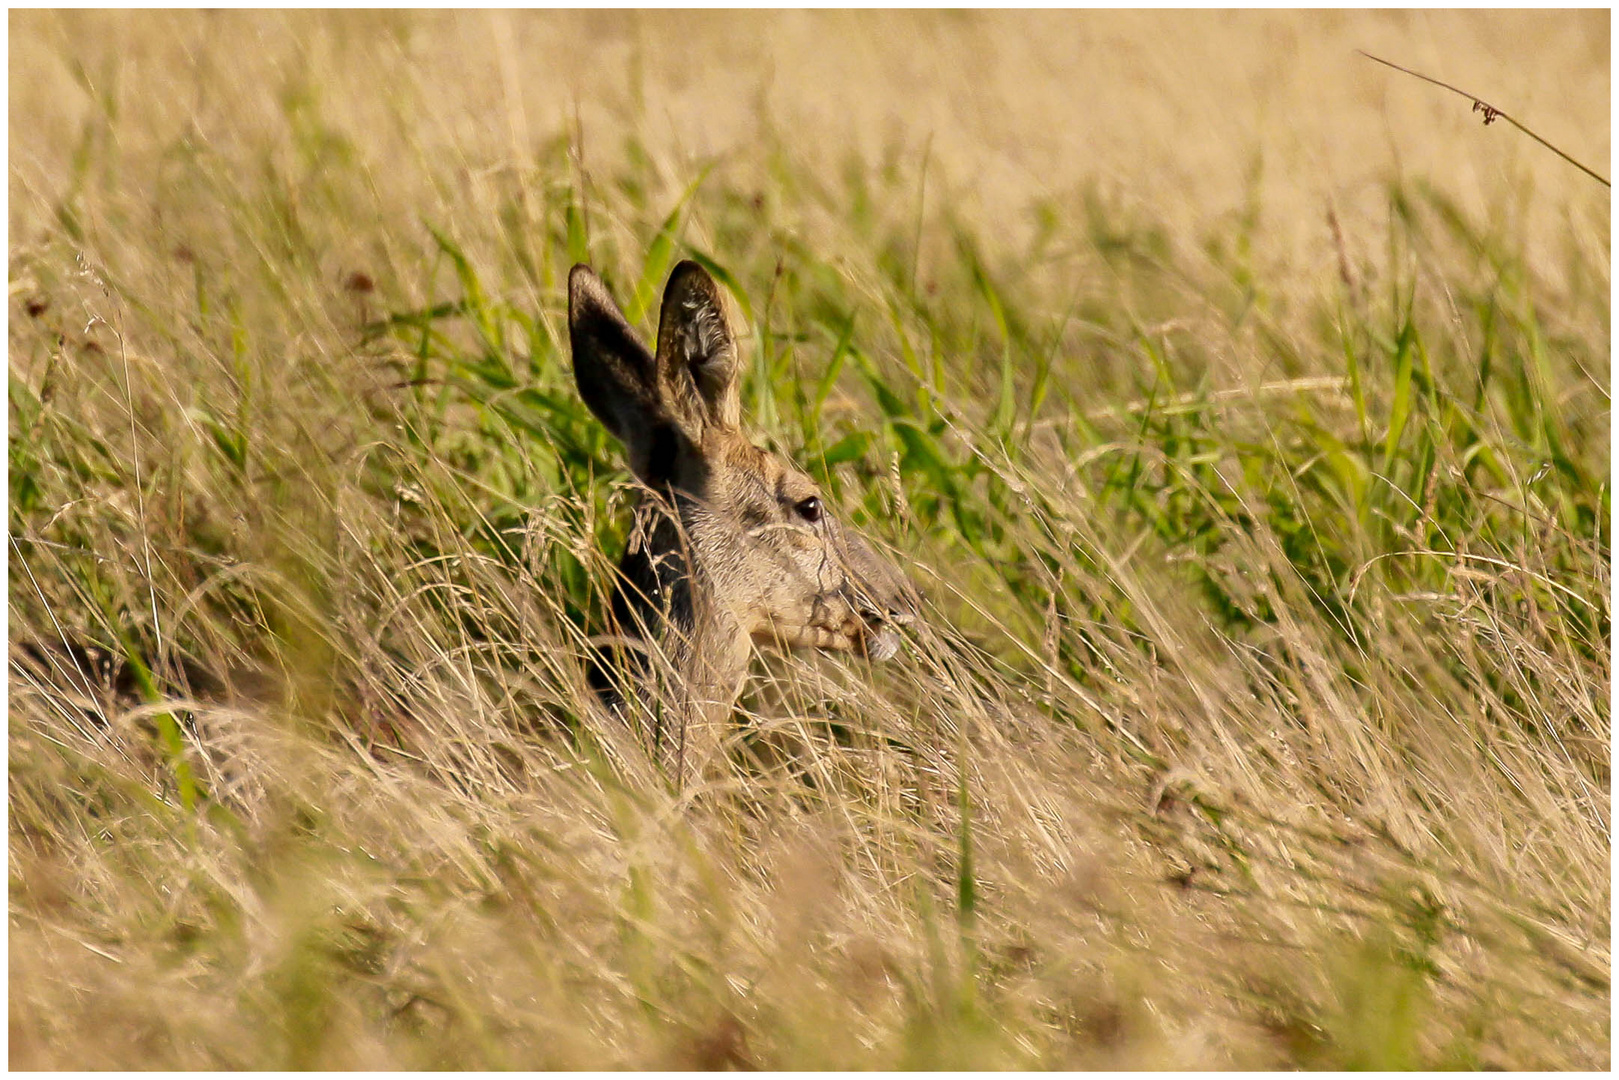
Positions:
{"x": 809, "y": 509}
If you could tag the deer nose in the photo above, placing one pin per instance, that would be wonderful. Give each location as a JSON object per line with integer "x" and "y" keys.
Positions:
{"x": 882, "y": 642}
{"x": 881, "y": 616}
{"x": 894, "y": 615}
{"x": 899, "y": 616}
{"x": 893, "y": 606}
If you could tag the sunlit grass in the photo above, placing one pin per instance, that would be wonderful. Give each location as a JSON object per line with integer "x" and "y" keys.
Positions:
{"x": 1260, "y": 718}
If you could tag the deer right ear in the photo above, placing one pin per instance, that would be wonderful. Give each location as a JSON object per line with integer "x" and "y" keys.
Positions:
{"x": 696, "y": 349}
{"x": 617, "y": 378}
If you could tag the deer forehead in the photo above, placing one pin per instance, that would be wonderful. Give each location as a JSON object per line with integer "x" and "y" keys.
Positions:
{"x": 744, "y": 473}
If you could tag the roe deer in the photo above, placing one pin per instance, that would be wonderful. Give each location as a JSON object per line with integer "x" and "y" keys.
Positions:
{"x": 731, "y": 545}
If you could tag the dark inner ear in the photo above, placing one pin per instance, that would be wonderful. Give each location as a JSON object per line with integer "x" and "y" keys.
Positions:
{"x": 697, "y": 355}
{"x": 613, "y": 370}
{"x": 618, "y": 380}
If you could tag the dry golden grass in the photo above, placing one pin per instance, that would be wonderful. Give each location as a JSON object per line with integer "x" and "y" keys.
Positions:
{"x": 1240, "y": 405}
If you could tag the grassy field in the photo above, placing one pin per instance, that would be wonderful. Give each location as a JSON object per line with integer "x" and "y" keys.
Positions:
{"x": 1240, "y": 408}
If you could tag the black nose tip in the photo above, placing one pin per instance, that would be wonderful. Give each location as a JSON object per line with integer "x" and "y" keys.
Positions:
{"x": 894, "y": 615}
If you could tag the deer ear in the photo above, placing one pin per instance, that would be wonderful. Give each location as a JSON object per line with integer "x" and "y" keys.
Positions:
{"x": 697, "y": 360}
{"x": 619, "y": 381}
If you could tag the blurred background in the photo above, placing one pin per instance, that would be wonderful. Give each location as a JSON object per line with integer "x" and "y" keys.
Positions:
{"x": 1194, "y": 115}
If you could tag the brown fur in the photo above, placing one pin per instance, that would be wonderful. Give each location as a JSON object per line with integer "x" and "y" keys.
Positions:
{"x": 732, "y": 546}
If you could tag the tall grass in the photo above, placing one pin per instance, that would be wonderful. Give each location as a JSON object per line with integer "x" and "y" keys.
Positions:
{"x": 1260, "y": 718}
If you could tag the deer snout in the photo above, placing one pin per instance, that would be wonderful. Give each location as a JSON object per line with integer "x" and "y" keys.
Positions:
{"x": 881, "y": 639}
{"x": 884, "y": 604}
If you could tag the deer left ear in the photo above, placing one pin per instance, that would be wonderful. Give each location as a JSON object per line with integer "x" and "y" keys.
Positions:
{"x": 620, "y": 382}
{"x": 697, "y": 357}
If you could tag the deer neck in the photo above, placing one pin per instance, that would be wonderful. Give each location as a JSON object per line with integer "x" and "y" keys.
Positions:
{"x": 689, "y": 658}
